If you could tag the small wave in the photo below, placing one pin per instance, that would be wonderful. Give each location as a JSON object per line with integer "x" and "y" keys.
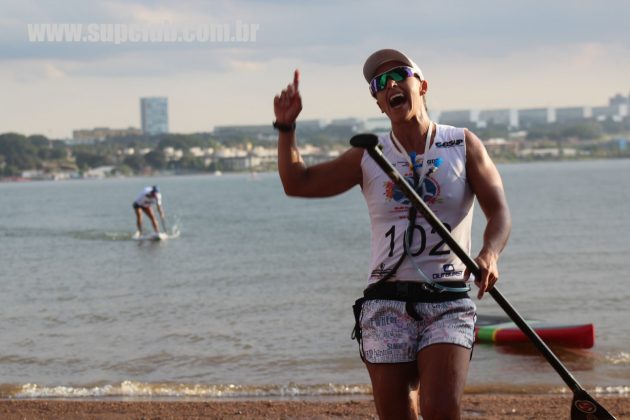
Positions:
{"x": 92, "y": 235}
{"x": 118, "y": 236}
{"x": 613, "y": 390}
{"x": 133, "y": 389}
{"x": 139, "y": 389}
{"x": 621, "y": 358}
{"x": 503, "y": 388}
{"x": 29, "y": 232}
{"x": 175, "y": 227}
{"x": 174, "y": 232}
{"x": 85, "y": 235}
{"x": 96, "y": 235}
{"x": 541, "y": 389}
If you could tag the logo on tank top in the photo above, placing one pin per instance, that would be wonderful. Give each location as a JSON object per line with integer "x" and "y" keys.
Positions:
{"x": 380, "y": 271}
{"x": 450, "y": 143}
{"x": 448, "y": 270}
{"x": 429, "y": 193}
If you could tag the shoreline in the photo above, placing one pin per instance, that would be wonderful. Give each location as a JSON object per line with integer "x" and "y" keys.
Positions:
{"x": 497, "y": 160}
{"x": 474, "y": 406}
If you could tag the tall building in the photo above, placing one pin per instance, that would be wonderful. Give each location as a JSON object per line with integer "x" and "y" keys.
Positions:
{"x": 460, "y": 117}
{"x": 154, "y": 114}
{"x": 492, "y": 117}
{"x": 535, "y": 116}
{"x": 618, "y": 100}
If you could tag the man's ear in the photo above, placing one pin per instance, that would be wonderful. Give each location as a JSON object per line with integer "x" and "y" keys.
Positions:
{"x": 424, "y": 86}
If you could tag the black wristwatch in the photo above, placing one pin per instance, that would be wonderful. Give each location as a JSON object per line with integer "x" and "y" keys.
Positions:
{"x": 285, "y": 128}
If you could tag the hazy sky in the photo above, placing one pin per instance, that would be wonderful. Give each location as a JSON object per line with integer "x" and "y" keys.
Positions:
{"x": 474, "y": 53}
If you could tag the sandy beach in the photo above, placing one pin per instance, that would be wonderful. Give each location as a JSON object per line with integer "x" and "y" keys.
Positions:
{"x": 475, "y": 407}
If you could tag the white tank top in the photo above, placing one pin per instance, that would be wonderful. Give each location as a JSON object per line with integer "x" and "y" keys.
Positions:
{"x": 446, "y": 192}
{"x": 146, "y": 200}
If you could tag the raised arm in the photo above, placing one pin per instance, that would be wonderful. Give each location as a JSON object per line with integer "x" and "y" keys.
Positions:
{"x": 486, "y": 183}
{"x": 322, "y": 180}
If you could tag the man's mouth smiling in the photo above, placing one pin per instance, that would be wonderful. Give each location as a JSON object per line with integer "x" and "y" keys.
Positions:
{"x": 396, "y": 100}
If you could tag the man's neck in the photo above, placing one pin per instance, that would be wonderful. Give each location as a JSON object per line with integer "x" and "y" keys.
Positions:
{"x": 412, "y": 134}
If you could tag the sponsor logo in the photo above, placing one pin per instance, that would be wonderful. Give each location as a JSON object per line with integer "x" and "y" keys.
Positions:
{"x": 448, "y": 270}
{"x": 380, "y": 271}
{"x": 429, "y": 193}
{"x": 585, "y": 406}
{"x": 450, "y": 143}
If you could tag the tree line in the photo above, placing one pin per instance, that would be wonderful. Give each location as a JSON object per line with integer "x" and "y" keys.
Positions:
{"x": 19, "y": 153}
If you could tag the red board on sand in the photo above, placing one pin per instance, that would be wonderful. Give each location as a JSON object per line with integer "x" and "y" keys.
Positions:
{"x": 501, "y": 330}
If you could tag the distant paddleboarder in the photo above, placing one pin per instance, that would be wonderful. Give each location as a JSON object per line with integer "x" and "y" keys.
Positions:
{"x": 144, "y": 203}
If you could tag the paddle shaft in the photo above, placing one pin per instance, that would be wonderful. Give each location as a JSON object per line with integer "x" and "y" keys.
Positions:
{"x": 162, "y": 219}
{"x": 164, "y": 224}
{"x": 376, "y": 154}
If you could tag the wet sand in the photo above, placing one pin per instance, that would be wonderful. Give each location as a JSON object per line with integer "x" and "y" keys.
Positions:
{"x": 475, "y": 406}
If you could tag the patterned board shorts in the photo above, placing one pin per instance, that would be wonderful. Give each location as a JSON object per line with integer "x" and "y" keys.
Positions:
{"x": 390, "y": 335}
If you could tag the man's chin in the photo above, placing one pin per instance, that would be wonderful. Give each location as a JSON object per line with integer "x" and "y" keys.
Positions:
{"x": 400, "y": 115}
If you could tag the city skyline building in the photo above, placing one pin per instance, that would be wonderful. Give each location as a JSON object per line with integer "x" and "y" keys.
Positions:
{"x": 154, "y": 115}
{"x": 154, "y": 120}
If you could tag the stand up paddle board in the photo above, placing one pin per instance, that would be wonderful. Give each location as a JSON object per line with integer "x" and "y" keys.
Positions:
{"x": 150, "y": 237}
{"x": 501, "y": 330}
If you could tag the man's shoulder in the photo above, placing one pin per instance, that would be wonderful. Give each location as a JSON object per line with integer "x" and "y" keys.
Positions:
{"x": 452, "y": 131}
{"x": 451, "y": 137}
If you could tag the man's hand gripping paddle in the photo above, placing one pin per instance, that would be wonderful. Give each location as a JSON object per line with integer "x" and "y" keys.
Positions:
{"x": 583, "y": 407}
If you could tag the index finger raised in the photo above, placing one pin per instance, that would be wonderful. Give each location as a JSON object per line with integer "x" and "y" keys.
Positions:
{"x": 296, "y": 79}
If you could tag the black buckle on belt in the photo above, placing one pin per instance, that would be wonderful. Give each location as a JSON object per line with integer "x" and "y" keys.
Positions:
{"x": 402, "y": 289}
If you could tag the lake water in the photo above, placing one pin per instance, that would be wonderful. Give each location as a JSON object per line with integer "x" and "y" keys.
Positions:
{"x": 254, "y": 297}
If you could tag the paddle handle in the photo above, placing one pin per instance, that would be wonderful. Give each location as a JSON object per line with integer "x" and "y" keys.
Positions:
{"x": 376, "y": 154}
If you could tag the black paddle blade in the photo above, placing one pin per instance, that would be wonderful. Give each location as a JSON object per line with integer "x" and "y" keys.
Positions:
{"x": 584, "y": 407}
{"x": 364, "y": 141}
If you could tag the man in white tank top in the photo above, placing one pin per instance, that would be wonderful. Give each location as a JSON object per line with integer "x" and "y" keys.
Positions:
{"x": 143, "y": 204}
{"x": 415, "y": 323}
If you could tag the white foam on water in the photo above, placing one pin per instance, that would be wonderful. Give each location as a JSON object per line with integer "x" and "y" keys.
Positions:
{"x": 36, "y": 391}
{"x": 133, "y": 389}
{"x": 621, "y": 358}
{"x": 140, "y": 389}
{"x": 613, "y": 390}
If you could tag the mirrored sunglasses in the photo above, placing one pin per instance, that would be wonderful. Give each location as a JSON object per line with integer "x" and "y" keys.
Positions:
{"x": 397, "y": 74}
